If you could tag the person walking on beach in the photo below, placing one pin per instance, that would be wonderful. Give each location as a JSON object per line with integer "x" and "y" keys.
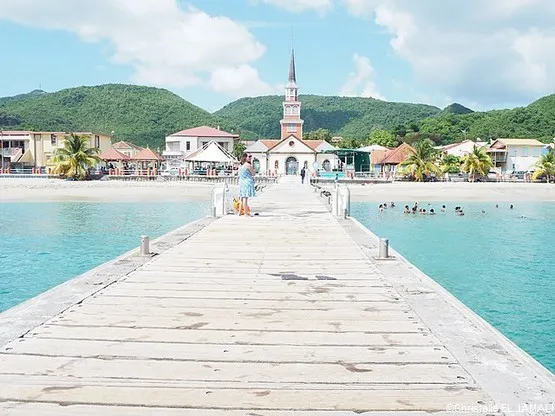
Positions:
{"x": 246, "y": 184}
{"x": 303, "y": 174}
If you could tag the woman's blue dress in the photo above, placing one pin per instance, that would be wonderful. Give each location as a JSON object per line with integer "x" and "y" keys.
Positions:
{"x": 246, "y": 183}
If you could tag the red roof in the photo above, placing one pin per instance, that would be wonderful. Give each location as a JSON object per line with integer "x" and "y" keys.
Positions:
{"x": 204, "y": 131}
{"x": 147, "y": 154}
{"x": 270, "y": 143}
{"x": 397, "y": 155}
{"x": 126, "y": 145}
{"x": 313, "y": 144}
{"x": 113, "y": 154}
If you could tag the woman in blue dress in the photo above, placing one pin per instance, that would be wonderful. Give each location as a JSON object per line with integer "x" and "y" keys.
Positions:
{"x": 246, "y": 184}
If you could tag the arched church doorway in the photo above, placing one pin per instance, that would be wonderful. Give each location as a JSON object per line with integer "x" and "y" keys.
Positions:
{"x": 291, "y": 165}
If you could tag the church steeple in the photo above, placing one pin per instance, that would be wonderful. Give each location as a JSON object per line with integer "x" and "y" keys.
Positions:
{"x": 292, "y": 73}
{"x": 291, "y": 123}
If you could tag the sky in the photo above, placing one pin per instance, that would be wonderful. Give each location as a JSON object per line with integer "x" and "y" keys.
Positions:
{"x": 484, "y": 54}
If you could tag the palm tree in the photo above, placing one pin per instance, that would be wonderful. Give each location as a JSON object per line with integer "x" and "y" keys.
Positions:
{"x": 477, "y": 161}
{"x": 450, "y": 164}
{"x": 75, "y": 157}
{"x": 545, "y": 166}
{"x": 422, "y": 160}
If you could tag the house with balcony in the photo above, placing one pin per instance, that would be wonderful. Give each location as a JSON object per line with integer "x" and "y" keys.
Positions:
{"x": 515, "y": 155}
{"x": 35, "y": 148}
{"x": 183, "y": 143}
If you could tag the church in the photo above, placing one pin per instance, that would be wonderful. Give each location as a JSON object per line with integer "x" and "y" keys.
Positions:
{"x": 290, "y": 153}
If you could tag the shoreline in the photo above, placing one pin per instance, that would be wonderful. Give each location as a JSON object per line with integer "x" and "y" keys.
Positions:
{"x": 56, "y": 190}
{"x": 452, "y": 192}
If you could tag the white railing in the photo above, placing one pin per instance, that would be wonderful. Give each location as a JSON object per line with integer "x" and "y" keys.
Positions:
{"x": 341, "y": 201}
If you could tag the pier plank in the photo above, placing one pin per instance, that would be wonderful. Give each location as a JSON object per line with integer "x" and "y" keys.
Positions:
{"x": 230, "y": 353}
{"x": 237, "y": 337}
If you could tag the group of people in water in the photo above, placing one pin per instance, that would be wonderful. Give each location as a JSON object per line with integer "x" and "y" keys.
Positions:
{"x": 416, "y": 209}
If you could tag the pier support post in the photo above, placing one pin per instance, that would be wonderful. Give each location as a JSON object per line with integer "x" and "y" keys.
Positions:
{"x": 145, "y": 245}
{"x": 383, "y": 248}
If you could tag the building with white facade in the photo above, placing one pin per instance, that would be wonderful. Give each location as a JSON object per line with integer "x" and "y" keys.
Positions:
{"x": 290, "y": 153}
{"x": 461, "y": 149}
{"x": 516, "y": 155}
{"x": 183, "y": 143}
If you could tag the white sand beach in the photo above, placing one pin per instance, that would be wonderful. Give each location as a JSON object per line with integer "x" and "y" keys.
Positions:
{"x": 453, "y": 191}
{"x": 37, "y": 190}
{"x": 50, "y": 190}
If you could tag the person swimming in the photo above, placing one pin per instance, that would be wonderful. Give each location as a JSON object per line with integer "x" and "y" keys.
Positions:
{"x": 443, "y": 208}
{"x": 432, "y": 212}
{"x": 406, "y": 210}
{"x": 380, "y": 208}
{"x": 511, "y": 207}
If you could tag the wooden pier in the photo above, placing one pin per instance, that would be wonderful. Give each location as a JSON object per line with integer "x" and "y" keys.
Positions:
{"x": 271, "y": 315}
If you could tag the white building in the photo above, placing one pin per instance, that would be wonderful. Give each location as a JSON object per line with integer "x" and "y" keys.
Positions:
{"x": 513, "y": 155}
{"x": 289, "y": 154}
{"x": 461, "y": 149}
{"x": 183, "y": 143}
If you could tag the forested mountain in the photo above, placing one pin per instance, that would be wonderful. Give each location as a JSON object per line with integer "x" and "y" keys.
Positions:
{"x": 142, "y": 115}
{"x": 343, "y": 116}
{"x": 537, "y": 120}
{"x": 145, "y": 115}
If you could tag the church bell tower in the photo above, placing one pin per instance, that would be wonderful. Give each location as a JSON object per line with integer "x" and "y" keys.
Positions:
{"x": 291, "y": 123}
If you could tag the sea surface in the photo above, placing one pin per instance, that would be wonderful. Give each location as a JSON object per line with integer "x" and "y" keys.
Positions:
{"x": 47, "y": 243}
{"x": 500, "y": 262}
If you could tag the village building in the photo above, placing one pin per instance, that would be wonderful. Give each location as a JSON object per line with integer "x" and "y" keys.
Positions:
{"x": 461, "y": 149}
{"x": 386, "y": 162}
{"x": 34, "y": 149}
{"x": 186, "y": 142}
{"x": 516, "y": 155}
{"x": 290, "y": 153}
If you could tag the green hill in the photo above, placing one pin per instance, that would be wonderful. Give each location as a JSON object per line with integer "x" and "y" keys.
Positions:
{"x": 142, "y": 115}
{"x": 456, "y": 108}
{"x": 145, "y": 115}
{"x": 344, "y": 116}
{"x": 536, "y": 120}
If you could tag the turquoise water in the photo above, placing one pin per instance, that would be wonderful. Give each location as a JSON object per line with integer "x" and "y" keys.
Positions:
{"x": 45, "y": 244}
{"x": 500, "y": 263}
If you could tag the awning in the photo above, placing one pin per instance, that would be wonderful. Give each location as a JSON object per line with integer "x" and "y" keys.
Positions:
{"x": 211, "y": 152}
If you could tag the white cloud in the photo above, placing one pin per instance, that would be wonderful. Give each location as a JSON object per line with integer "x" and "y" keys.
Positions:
{"x": 485, "y": 51}
{"x": 360, "y": 83}
{"x": 297, "y": 6}
{"x": 167, "y": 45}
{"x": 239, "y": 81}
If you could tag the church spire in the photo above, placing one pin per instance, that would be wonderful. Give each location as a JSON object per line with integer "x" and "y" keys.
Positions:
{"x": 292, "y": 74}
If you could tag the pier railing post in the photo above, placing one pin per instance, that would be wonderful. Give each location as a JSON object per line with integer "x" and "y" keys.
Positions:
{"x": 144, "y": 249}
{"x": 383, "y": 252}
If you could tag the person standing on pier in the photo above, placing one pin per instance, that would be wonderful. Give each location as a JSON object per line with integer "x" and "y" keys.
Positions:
{"x": 303, "y": 174}
{"x": 246, "y": 184}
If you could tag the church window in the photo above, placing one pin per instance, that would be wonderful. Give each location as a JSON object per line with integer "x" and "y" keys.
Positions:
{"x": 276, "y": 165}
{"x": 292, "y": 143}
{"x": 291, "y": 127}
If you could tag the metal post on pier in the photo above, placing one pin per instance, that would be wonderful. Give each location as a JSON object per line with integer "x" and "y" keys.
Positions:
{"x": 383, "y": 252}
{"x": 145, "y": 245}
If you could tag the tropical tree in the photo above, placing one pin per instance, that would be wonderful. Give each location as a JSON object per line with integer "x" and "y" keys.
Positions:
{"x": 75, "y": 157}
{"x": 238, "y": 149}
{"x": 422, "y": 160}
{"x": 450, "y": 164}
{"x": 545, "y": 166}
{"x": 320, "y": 134}
{"x": 477, "y": 162}
{"x": 382, "y": 138}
